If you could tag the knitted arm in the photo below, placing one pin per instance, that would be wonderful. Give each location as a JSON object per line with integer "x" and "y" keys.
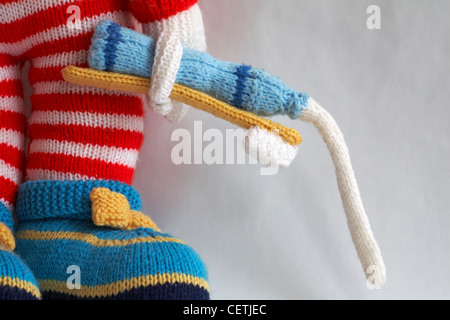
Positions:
{"x": 12, "y": 132}
{"x": 183, "y": 20}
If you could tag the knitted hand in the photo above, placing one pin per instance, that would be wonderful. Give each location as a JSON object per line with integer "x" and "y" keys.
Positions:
{"x": 177, "y": 24}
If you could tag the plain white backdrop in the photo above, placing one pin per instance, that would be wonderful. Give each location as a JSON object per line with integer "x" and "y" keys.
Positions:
{"x": 285, "y": 236}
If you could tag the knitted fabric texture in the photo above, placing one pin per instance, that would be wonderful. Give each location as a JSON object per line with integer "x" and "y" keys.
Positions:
{"x": 56, "y": 230}
{"x": 256, "y": 91}
{"x": 75, "y": 132}
{"x": 241, "y": 86}
{"x": 168, "y": 53}
{"x": 194, "y": 98}
{"x": 16, "y": 280}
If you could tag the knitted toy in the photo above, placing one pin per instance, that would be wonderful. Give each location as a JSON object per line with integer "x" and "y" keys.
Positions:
{"x": 70, "y": 188}
{"x": 122, "y": 59}
{"x": 76, "y": 207}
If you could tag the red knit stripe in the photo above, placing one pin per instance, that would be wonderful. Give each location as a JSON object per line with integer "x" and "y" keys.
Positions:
{"x": 77, "y": 165}
{"x": 12, "y": 156}
{"x": 70, "y": 44}
{"x": 11, "y": 88}
{"x": 150, "y": 11}
{"x": 88, "y": 102}
{"x": 8, "y": 189}
{"x": 96, "y": 136}
{"x": 6, "y": 61}
{"x": 13, "y": 120}
{"x": 76, "y": 43}
{"x": 7, "y": 1}
{"x": 47, "y": 74}
{"x": 54, "y": 17}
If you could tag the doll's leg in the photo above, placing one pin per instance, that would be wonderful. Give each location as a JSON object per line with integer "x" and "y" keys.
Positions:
{"x": 16, "y": 279}
{"x": 83, "y": 140}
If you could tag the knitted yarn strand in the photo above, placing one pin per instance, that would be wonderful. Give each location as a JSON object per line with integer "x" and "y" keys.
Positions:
{"x": 365, "y": 244}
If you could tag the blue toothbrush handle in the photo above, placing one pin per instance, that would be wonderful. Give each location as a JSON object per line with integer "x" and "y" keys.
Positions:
{"x": 118, "y": 49}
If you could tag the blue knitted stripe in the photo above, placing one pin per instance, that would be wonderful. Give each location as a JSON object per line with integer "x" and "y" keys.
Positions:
{"x": 102, "y": 233}
{"x": 250, "y": 89}
{"x": 12, "y": 266}
{"x": 6, "y": 216}
{"x": 65, "y": 199}
{"x": 242, "y": 73}
{"x": 111, "y": 45}
{"x": 116, "y": 263}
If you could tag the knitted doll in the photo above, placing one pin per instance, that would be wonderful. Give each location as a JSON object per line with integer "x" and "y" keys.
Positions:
{"x": 70, "y": 189}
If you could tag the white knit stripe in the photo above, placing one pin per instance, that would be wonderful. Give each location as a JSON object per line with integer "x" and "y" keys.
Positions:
{"x": 64, "y": 87}
{"x": 187, "y": 25}
{"x": 61, "y": 32}
{"x": 13, "y": 104}
{"x": 358, "y": 223}
{"x": 10, "y": 73}
{"x": 125, "y": 157}
{"x": 9, "y": 172}
{"x": 21, "y": 9}
{"x": 61, "y": 59}
{"x": 44, "y": 174}
{"x": 12, "y": 138}
{"x": 96, "y": 120}
{"x": 6, "y": 203}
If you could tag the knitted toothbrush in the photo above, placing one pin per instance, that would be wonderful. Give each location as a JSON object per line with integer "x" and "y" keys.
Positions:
{"x": 74, "y": 206}
{"x": 126, "y": 52}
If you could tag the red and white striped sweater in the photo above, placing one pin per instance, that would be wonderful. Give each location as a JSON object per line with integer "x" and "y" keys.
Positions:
{"x": 74, "y": 132}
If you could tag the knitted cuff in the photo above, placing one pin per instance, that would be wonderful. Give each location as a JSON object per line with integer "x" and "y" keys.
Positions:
{"x": 51, "y": 199}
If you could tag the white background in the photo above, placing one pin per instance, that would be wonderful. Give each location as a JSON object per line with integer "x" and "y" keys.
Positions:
{"x": 285, "y": 236}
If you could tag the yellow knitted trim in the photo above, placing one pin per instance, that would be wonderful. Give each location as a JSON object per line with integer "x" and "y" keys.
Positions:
{"x": 198, "y": 100}
{"x": 89, "y": 238}
{"x": 6, "y": 238}
{"x": 20, "y": 284}
{"x": 111, "y": 209}
{"x": 118, "y": 287}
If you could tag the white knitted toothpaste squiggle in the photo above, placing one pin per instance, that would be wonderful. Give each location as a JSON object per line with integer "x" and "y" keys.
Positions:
{"x": 358, "y": 223}
{"x": 269, "y": 148}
